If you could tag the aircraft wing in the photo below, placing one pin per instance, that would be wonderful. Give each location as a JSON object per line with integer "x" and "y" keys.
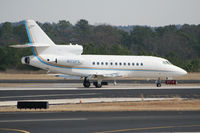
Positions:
{"x": 65, "y": 76}
{"x": 111, "y": 75}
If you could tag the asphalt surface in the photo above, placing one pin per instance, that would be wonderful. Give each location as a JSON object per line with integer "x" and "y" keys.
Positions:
{"x": 101, "y": 122}
{"x": 14, "y": 95}
{"x": 81, "y": 81}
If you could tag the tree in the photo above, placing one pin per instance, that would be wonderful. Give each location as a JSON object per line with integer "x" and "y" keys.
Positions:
{"x": 63, "y": 24}
{"x": 193, "y": 65}
{"x": 2, "y": 59}
{"x": 119, "y": 50}
{"x": 82, "y": 26}
{"x": 179, "y": 44}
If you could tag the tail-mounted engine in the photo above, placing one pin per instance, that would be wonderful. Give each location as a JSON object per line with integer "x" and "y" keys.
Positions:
{"x": 25, "y": 60}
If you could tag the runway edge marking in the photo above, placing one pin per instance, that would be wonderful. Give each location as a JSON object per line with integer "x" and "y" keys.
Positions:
{"x": 18, "y": 130}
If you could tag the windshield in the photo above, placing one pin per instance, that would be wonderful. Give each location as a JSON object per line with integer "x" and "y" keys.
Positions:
{"x": 167, "y": 62}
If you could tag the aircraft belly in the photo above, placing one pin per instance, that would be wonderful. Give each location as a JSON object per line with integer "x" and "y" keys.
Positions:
{"x": 147, "y": 74}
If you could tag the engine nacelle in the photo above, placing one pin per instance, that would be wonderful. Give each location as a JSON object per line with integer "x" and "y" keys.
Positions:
{"x": 63, "y": 60}
{"x": 25, "y": 60}
{"x": 68, "y": 49}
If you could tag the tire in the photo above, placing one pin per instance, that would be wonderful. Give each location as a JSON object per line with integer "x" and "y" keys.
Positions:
{"x": 158, "y": 84}
{"x": 98, "y": 85}
{"x": 86, "y": 84}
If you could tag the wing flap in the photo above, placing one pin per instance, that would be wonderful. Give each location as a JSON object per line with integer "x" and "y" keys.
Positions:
{"x": 111, "y": 75}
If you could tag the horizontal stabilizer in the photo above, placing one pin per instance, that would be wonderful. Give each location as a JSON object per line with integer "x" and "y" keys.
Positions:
{"x": 29, "y": 45}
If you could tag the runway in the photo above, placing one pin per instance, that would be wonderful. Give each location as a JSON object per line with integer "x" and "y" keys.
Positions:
{"x": 100, "y": 122}
{"x": 66, "y": 95}
{"x": 80, "y": 81}
{"x": 56, "y": 93}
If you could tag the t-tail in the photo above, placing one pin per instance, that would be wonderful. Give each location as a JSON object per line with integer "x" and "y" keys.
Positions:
{"x": 42, "y": 46}
{"x": 38, "y": 39}
{"x": 36, "y": 35}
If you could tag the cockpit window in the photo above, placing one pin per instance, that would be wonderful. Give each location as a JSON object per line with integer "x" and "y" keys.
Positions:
{"x": 167, "y": 62}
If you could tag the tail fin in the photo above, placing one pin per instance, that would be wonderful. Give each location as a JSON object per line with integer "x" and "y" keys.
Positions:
{"x": 36, "y": 35}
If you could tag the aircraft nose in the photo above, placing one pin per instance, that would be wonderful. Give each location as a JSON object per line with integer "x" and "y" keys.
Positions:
{"x": 181, "y": 71}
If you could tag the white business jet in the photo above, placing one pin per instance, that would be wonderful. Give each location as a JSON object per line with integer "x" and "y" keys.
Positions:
{"x": 68, "y": 61}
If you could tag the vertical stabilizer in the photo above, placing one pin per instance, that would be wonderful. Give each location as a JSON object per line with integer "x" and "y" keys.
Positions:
{"x": 36, "y": 34}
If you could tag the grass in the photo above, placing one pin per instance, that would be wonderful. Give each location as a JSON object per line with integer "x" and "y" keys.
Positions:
{"x": 9, "y": 76}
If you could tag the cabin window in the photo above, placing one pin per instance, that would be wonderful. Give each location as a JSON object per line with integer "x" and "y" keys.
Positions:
{"x": 111, "y": 63}
{"x": 120, "y": 63}
{"x": 141, "y": 64}
{"x": 106, "y": 63}
{"x": 47, "y": 59}
{"x": 97, "y": 63}
{"x": 137, "y": 64}
{"x": 124, "y": 64}
{"x": 116, "y": 63}
{"x": 93, "y": 63}
{"x": 133, "y": 64}
{"x": 129, "y": 64}
{"x": 102, "y": 63}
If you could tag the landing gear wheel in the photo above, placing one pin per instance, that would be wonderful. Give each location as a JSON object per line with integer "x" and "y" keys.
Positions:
{"x": 98, "y": 85}
{"x": 86, "y": 83}
{"x": 158, "y": 84}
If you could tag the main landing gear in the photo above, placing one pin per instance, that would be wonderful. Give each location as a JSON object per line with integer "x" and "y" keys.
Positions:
{"x": 97, "y": 84}
{"x": 86, "y": 83}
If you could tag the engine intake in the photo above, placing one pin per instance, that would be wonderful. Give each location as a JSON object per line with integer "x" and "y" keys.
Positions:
{"x": 25, "y": 60}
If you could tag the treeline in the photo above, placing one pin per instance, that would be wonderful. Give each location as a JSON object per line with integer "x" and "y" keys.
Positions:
{"x": 180, "y": 45}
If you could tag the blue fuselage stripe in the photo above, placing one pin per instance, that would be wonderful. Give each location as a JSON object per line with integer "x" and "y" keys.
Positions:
{"x": 27, "y": 29}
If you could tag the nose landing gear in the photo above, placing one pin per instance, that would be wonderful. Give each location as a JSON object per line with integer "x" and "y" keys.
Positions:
{"x": 158, "y": 82}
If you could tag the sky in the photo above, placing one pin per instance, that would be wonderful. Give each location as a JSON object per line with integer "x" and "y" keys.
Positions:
{"x": 113, "y": 12}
